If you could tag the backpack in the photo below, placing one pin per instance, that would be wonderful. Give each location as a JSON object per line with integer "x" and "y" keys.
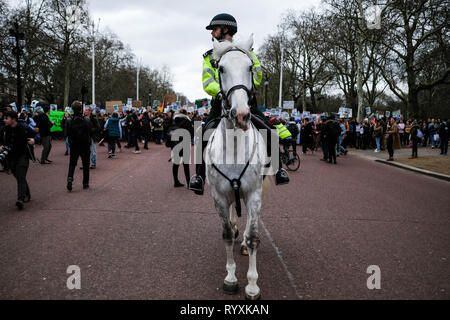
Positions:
{"x": 293, "y": 129}
{"x": 79, "y": 131}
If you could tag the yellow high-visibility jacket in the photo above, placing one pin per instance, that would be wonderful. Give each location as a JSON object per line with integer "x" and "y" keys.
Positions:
{"x": 210, "y": 77}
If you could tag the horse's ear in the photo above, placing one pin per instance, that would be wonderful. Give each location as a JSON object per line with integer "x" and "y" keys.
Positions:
{"x": 249, "y": 43}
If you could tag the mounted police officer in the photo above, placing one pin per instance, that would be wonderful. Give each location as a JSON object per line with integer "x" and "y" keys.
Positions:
{"x": 223, "y": 27}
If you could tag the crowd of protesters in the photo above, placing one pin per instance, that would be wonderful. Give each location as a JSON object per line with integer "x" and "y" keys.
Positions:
{"x": 86, "y": 128}
{"x": 377, "y": 135}
{"x": 83, "y": 130}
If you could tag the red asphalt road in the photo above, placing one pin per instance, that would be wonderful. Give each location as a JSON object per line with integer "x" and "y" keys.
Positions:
{"x": 136, "y": 237}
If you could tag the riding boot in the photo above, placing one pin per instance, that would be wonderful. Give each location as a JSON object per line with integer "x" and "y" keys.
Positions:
{"x": 199, "y": 179}
{"x": 186, "y": 173}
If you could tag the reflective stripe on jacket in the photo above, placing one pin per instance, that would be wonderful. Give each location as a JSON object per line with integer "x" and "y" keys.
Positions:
{"x": 283, "y": 131}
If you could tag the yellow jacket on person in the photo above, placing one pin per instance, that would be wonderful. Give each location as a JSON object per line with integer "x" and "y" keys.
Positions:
{"x": 283, "y": 131}
{"x": 210, "y": 76}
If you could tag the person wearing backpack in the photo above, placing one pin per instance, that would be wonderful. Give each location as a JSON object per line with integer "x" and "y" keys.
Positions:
{"x": 79, "y": 132}
{"x": 114, "y": 132}
{"x": 295, "y": 131}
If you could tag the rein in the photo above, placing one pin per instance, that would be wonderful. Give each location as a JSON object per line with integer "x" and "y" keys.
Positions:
{"x": 236, "y": 183}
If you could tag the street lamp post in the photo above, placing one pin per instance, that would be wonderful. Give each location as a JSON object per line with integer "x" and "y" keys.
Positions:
{"x": 266, "y": 86}
{"x": 93, "y": 59}
{"x": 17, "y": 39}
{"x": 281, "y": 78}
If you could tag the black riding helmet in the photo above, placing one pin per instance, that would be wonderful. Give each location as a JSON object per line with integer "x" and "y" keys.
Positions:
{"x": 224, "y": 20}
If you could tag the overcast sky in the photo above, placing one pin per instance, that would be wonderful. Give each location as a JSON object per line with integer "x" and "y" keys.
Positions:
{"x": 172, "y": 32}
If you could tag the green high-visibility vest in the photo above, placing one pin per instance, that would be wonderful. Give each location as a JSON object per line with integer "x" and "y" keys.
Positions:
{"x": 283, "y": 131}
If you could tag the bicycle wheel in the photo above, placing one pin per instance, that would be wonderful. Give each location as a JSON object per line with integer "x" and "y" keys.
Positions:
{"x": 284, "y": 159}
{"x": 294, "y": 162}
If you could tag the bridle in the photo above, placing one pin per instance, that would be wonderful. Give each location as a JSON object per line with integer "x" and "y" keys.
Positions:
{"x": 226, "y": 106}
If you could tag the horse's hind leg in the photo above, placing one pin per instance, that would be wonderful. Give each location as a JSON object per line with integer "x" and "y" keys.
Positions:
{"x": 230, "y": 285}
{"x": 251, "y": 237}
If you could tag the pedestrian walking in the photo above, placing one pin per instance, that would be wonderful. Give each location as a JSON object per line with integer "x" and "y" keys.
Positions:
{"x": 113, "y": 132}
{"x": 79, "y": 132}
{"x": 15, "y": 139}
{"x": 44, "y": 124}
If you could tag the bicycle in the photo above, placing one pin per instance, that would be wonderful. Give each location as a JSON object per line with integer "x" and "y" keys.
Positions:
{"x": 290, "y": 160}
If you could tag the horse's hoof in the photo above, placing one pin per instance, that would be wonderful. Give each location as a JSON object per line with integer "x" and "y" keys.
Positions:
{"x": 230, "y": 288}
{"x": 253, "y": 298}
{"x": 244, "y": 251}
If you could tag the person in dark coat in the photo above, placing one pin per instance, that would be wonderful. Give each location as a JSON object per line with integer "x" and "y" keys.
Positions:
{"x": 146, "y": 129}
{"x": 306, "y": 136}
{"x": 414, "y": 139}
{"x": 135, "y": 131}
{"x": 79, "y": 131}
{"x": 15, "y": 139}
{"x": 444, "y": 135}
{"x": 44, "y": 124}
{"x": 332, "y": 133}
{"x": 181, "y": 121}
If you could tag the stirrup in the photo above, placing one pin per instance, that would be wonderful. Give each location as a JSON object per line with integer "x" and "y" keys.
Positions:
{"x": 284, "y": 176}
{"x": 193, "y": 179}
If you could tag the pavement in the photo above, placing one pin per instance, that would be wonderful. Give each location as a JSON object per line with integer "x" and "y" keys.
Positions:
{"x": 134, "y": 236}
{"x": 403, "y": 153}
{"x": 399, "y": 153}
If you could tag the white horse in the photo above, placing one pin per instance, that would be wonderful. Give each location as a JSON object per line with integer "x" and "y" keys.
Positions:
{"x": 244, "y": 160}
